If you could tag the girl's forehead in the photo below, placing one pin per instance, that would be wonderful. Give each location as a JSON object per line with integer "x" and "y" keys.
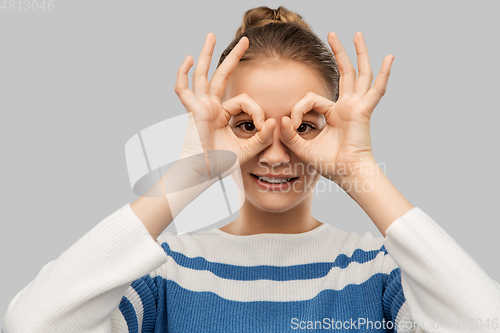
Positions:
{"x": 275, "y": 86}
{"x": 311, "y": 115}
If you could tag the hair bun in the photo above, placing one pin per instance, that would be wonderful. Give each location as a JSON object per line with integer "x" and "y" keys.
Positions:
{"x": 260, "y": 16}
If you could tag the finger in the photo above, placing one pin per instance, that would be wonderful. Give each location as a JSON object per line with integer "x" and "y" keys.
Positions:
{"x": 259, "y": 141}
{"x": 346, "y": 69}
{"x": 244, "y": 103}
{"x": 222, "y": 74}
{"x": 181, "y": 85}
{"x": 365, "y": 74}
{"x": 293, "y": 140}
{"x": 200, "y": 74}
{"x": 373, "y": 96}
{"x": 310, "y": 101}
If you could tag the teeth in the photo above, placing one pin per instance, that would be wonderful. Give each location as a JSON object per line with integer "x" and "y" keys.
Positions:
{"x": 275, "y": 180}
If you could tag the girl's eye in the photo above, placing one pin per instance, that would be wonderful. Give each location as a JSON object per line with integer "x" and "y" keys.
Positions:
{"x": 303, "y": 127}
{"x": 247, "y": 126}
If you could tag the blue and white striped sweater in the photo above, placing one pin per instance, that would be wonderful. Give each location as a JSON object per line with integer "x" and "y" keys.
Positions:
{"x": 217, "y": 282}
{"x": 117, "y": 278}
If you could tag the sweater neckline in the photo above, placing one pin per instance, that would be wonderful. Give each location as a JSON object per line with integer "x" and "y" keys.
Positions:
{"x": 273, "y": 235}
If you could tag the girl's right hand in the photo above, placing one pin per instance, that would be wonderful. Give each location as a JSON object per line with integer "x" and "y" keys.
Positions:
{"x": 208, "y": 130}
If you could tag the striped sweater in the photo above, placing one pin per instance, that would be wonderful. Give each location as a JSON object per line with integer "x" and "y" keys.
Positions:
{"x": 116, "y": 278}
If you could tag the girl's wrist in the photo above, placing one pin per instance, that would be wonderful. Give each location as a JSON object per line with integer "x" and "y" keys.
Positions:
{"x": 353, "y": 176}
{"x": 375, "y": 194}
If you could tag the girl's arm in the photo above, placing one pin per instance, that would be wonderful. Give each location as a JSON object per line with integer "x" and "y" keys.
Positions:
{"x": 184, "y": 181}
{"x": 78, "y": 291}
{"x": 83, "y": 289}
{"x": 376, "y": 195}
{"x": 446, "y": 290}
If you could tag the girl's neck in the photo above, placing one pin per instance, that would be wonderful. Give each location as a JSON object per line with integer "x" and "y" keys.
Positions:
{"x": 251, "y": 220}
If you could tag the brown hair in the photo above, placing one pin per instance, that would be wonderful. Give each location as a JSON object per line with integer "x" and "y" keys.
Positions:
{"x": 280, "y": 34}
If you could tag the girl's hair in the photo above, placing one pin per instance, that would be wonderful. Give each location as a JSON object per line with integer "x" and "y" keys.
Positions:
{"x": 280, "y": 34}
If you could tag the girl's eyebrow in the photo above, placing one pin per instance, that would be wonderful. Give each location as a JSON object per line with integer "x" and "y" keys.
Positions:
{"x": 311, "y": 114}
{"x": 314, "y": 115}
{"x": 241, "y": 114}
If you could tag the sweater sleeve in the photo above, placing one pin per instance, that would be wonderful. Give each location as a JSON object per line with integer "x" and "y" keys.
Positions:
{"x": 444, "y": 289}
{"x": 84, "y": 289}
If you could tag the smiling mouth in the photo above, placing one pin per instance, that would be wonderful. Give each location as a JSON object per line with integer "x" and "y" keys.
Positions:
{"x": 268, "y": 181}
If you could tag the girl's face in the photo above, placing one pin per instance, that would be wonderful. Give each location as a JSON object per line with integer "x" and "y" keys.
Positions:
{"x": 276, "y": 87}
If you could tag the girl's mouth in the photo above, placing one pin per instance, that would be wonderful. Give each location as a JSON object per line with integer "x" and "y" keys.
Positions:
{"x": 274, "y": 183}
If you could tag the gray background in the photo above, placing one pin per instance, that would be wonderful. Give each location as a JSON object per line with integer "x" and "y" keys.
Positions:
{"x": 78, "y": 82}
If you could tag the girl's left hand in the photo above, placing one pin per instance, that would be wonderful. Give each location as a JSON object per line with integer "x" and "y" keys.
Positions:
{"x": 343, "y": 147}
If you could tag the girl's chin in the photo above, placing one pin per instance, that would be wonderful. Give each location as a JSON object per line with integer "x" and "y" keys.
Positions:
{"x": 273, "y": 205}
{"x": 274, "y": 210}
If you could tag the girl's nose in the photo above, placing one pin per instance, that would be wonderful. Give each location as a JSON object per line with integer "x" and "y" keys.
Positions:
{"x": 276, "y": 153}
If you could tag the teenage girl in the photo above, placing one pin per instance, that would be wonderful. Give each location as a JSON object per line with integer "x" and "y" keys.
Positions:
{"x": 289, "y": 111}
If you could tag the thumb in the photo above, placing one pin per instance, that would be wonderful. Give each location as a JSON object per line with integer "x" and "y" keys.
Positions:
{"x": 292, "y": 139}
{"x": 259, "y": 141}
